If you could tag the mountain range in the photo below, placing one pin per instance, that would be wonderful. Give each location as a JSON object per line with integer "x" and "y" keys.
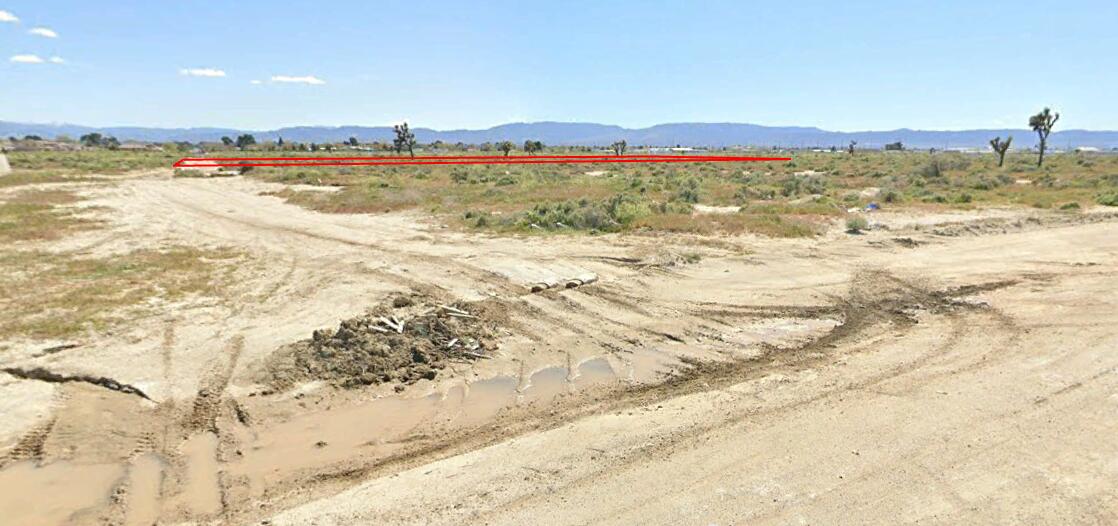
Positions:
{"x": 590, "y": 134}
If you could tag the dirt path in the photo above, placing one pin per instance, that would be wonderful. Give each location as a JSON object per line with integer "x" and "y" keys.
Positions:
{"x": 950, "y": 376}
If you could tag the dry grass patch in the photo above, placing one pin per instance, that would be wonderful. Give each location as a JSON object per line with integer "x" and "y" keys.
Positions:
{"x": 45, "y": 295}
{"x": 91, "y": 161}
{"x": 35, "y": 215}
{"x": 770, "y": 225}
{"x": 26, "y": 177}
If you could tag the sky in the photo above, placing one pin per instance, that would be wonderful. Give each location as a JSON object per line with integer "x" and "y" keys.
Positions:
{"x": 845, "y": 66}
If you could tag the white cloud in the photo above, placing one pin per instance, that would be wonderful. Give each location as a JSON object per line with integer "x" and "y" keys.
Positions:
{"x": 309, "y": 79}
{"x": 7, "y": 16}
{"x": 202, "y": 72}
{"x": 256, "y": 82}
{"x": 26, "y": 59}
{"x": 57, "y": 60}
{"x": 43, "y": 32}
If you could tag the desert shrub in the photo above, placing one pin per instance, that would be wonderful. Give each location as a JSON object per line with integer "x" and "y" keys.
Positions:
{"x": 747, "y": 193}
{"x": 932, "y": 170}
{"x": 805, "y": 184}
{"x": 1109, "y": 199}
{"x": 953, "y": 162}
{"x": 478, "y": 219}
{"x": 671, "y": 207}
{"x": 1046, "y": 181}
{"x": 982, "y": 183}
{"x": 890, "y": 195}
{"x": 689, "y": 192}
{"x": 605, "y": 216}
{"x": 856, "y": 224}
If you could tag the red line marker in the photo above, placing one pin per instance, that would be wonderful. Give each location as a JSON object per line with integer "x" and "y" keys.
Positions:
{"x": 213, "y": 162}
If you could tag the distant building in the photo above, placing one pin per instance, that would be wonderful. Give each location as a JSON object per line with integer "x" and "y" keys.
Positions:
{"x": 1087, "y": 149}
{"x": 677, "y": 149}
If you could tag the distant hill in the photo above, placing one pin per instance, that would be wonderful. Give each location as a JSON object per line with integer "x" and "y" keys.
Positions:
{"x": 590, "y": 134}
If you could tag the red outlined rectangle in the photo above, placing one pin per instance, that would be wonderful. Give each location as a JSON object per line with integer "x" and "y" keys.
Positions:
{"x": 218, "y": 162}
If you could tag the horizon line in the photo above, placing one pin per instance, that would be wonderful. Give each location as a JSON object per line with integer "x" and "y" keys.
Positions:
{"x": 448, "y": 130}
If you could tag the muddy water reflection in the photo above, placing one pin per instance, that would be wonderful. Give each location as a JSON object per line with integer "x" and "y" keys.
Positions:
{"x": 382, "y": 426}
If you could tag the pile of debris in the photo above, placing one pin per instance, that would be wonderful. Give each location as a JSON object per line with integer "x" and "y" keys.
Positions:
{"x": 401, "y": 342}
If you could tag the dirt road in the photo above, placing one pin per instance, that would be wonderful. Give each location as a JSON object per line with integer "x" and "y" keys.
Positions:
{"x": 995, "y": 416}
{"x": 961, "y": 371}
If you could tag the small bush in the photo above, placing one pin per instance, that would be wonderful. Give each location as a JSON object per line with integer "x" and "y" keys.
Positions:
{"x": 797, "y": 185}
{"x": 856, "y": 224}
{"x": 1110, "y": 199}
{"x": 690, "y": 192}
{"x": 931, "y": 170}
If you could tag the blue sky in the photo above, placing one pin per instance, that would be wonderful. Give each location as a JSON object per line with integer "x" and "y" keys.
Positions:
{"x": 837, "y": 65}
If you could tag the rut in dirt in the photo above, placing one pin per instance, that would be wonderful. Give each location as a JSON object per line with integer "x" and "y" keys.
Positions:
{"x": 45, "y": 375}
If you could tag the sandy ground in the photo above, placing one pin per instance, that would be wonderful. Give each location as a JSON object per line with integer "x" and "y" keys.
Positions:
{"x": 951, "y": 368}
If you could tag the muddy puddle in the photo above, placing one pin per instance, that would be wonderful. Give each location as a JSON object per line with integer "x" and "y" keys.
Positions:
{"x": 55, "y": 493}
{"x": 381, "y": 427}
{"x": 145, "y": 485}
{"x": 201, "y": 494}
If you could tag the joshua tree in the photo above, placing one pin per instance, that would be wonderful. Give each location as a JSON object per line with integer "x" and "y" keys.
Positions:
{"x": 1042, "y": 124}
{"x": 619, "y": 147}
{"x": 851, "y": 147}
{"x": 506, "y": 147}
{"x": 405, "y": 139}
{"x": 1000, "y": 147}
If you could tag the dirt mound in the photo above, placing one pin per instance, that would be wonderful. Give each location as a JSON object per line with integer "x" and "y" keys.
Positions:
{"x": 1019, "y": 224}
{"x": 404, "y": 340}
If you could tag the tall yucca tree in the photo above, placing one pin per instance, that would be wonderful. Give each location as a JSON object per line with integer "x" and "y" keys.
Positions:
{"x": 1000, "y": 147}
{"x": 1042, "y": 124}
